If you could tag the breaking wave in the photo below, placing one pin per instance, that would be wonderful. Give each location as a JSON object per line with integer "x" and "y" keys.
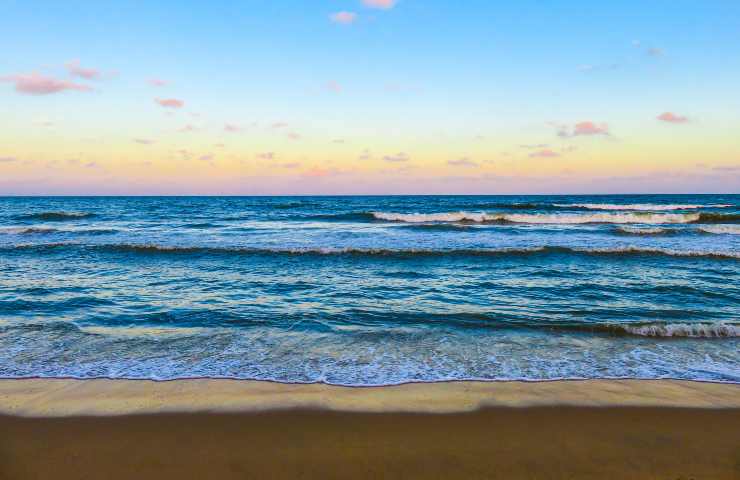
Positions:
{"x": 688, "y": 330}
{"x": 721, "y": 229}
{"x": 640, "y": 206}
{"x": 538, "y": 218}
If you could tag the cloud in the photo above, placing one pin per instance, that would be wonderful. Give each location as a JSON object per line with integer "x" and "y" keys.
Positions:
{"x": 333, "y": 86}
{"x": 288, "y": 165}
{"x": 36, "y": 84}
{"x": 534, "y": 145}
{"x": 170, "y": 102}
{"x": 655, "y": 52}
{"x": 293, "y": 136}
{"x": 143, "y": 141}
{"x": 279, "y": 125}
{"x": 462, "y": 162}
{"x": 590, "y": 128}
{"x": 91, "y": 164}
{"x": 8, "y": 159}
{"x": 544, "y": 153}
{"x": 585, "y": 128}
{"x": 231, "y": 128}
{"x": 74, "y": 68}
{"x": 338, "y": 140}
{"x": 157, "y": 82}
{"x": 206, "y": 158}
{"x": 399, "y": 157}
{"x": 671, "y": 117}
{"x": 382, "y": 4}
{"x": 188, "y": 128}
{"x": 344, "y": 18}
{"x": 266, "y": 156}
{"x": 731, "y": 169}
{"x": 365, "y": 155}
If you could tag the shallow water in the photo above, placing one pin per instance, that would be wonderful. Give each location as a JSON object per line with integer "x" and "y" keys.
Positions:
{"x": 371, "y": 290}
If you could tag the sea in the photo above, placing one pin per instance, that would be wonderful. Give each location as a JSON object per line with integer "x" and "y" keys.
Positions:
{"x": 371, "y": 290}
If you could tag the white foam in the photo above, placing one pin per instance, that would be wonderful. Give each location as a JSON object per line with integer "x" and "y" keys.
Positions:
{"x": 690, "y": 330}
{"x": 641, "y": 206}
{"x": 643, "y": 230}
{"x": 721, "y": 229}
{"x": 540, "y": 218}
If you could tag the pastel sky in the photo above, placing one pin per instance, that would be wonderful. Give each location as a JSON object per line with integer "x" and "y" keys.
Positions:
{"x": 369, "y": 97}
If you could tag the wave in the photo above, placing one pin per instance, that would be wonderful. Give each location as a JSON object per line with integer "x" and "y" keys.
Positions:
{"x": 644, "y": 231}
{"x": 46, "y": 231}
{"x": 688, "y": 330}
{"x": 718, "y": 218}
{"x": 535, "y": 218}
{"x": 378, "y": 252}
{"x": 640, "y": 206}
{"x": 25, "y": 231}
{"x": 55, "y": 216}
{"x": 721, "y": 229}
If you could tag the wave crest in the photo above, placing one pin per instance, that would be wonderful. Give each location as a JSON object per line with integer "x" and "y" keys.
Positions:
{"x": 540, "y": 218}
{"x": 640, "y": 206}
{"x": 688, "y": 330}
{"x": 55, "y": 216}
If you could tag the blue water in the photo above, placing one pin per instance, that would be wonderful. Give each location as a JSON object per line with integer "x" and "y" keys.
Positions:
{"x": 371, "y": 290}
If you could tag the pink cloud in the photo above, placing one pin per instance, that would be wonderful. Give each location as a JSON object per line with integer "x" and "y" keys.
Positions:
{"x": 294, "y": 136}
{"x": 188, "y": 128}
{"x": 345, "y": 18}
{"x": 157, "y": 82}
{"x": 671, "y": 117}
{"x": 384, "y": 4}
{"x": 36, "y": 84}
{"x": 143, "y": 141}
{"x": 266, "y": 156}
{"x": 170, "y": 102}
{"x": 7, "y": 159}
{"x": 279, "y": 125}
{"x": 544, "y": 153}
{"x": 399, "y": 157}
{"x": 590, "y": 128}
{"x": 231, "y": 128}
{"x": 74, "y": 68}
{"x": 462, "y": 162}
{"x": 333, "y": 87}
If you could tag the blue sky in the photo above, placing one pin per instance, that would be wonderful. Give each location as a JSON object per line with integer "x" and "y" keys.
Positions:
{"x": 396, "y": 79}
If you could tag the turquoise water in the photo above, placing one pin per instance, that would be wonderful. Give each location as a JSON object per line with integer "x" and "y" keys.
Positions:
{"x": 371, "y": 290}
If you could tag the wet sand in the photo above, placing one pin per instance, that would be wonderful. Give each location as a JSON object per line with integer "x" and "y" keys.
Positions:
{"x": 582, "y": 430}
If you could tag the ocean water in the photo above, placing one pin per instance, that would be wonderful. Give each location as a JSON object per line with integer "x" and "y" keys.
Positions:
{"x": 371, "y": 290}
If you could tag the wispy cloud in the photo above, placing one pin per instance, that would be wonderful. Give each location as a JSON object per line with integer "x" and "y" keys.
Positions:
{"x": 585, "y": 128}
{"x": 188, "y": 128}
{"x": 231, "y": 128}
{"x": 293, "y": 136}
{"x": 333, "y": 86}
{"x": 74, "y": 68}
{"x": 170, "y": 102}
{"x": 344, "y": 18}
{"x": 399, "y": 157}
{"x": 143, "y": 141}
{"x": 544, "y": 153}
{"x": 382, "y": 4}
{"x": 8, "y": 159}
{"x": 37, "y": 84}
{"x": 279, "y": 125}
{"x": 462, "y": 162}
{"x": 157, "y": 82}
{"x": 671, "y": 117}
{"x": 266, "y": 156}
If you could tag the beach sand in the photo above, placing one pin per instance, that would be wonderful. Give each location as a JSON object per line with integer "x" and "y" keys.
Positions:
{"x": 116, "y": 429}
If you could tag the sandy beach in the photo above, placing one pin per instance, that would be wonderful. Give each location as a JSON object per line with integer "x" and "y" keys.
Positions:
{"x": 239, "y": 429}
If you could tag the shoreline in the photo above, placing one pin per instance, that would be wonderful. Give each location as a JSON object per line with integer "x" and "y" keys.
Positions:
{"x": 59, "y": 397}
{"x": 237, "y": 429}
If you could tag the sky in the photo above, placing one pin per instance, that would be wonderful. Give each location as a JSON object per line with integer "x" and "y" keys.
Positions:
{"x": 305, "y": 97}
